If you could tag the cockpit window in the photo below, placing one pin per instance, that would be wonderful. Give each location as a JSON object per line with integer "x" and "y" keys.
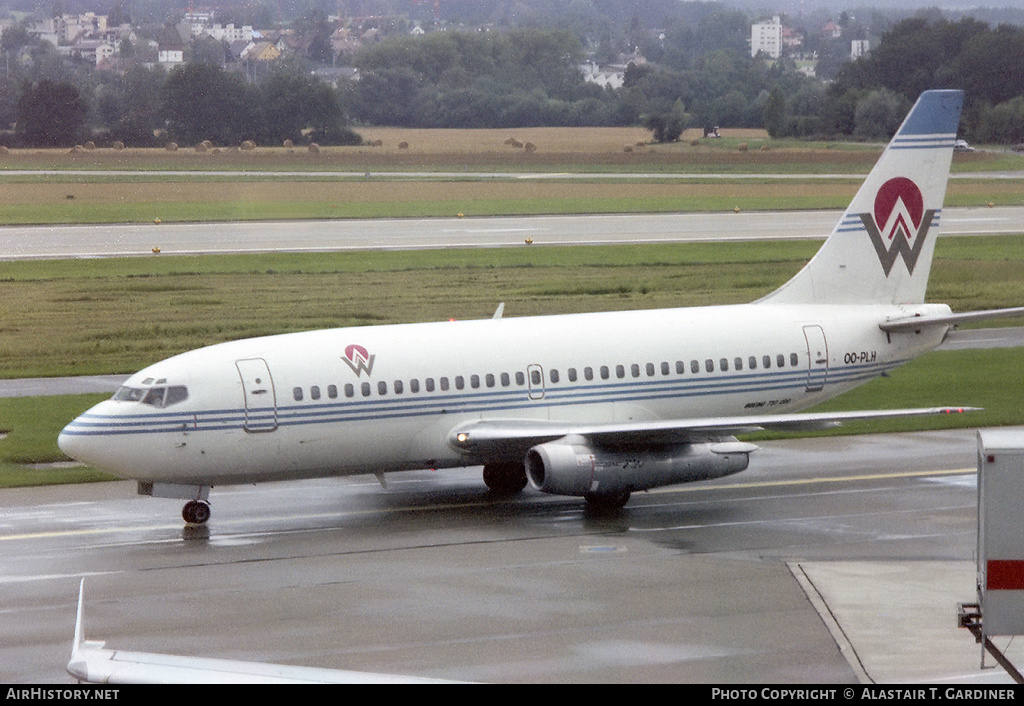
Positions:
{"x": 153, "y": 396}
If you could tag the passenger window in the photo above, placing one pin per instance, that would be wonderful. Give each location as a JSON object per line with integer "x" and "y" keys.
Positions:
{"x": 794, "y": 359}
{"x": 314, "y": 392}
{"x": 489, "y": 380}
{"x": 474, "y": 381}
{"x": 588, "y": 373}
{"x": 382, "y": 388}
{"x": 738, "y": 364}
{"x": 554, "y": 375}
{"x": 650, "y": 370}
{"x": 399, "y": 387}
{"x": 665, "y": 369}
{"x": 366, "y": 389}
{"x": 766, "y": 361}
{"x": 572, "y": 374}
{"x": 350, "y": 391}
{"x": 604, "y": 372}
{"x": 520, "y": 379}
{"x": 297, "y": 394}
{"x": 535, "y": 378}
{"x": 635, "y": 370}
{"x": 505, "y": 380}
{"x": 709, "y": 365}
{"x": 332, "y": 391}
{"x": 445, "y": 384}
{"x": 620, "y": 371}
{"x": 780, "y": 360}
{"x": 460, "y": 382}
{"x": 694, "y": 366}
{"x": 430, "y": 384}
{"x": 414, "y": 385}
{"x": 752, "y": 362}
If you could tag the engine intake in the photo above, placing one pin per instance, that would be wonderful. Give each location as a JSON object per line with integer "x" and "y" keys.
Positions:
{"x": 567, "y": 467}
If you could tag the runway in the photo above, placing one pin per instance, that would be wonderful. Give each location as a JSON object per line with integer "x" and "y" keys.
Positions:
{"x": 40, "y": 242}
{"x": 828, "y": 561}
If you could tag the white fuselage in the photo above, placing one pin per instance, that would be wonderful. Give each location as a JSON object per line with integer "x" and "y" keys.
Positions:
{"x": 384, "y": 398}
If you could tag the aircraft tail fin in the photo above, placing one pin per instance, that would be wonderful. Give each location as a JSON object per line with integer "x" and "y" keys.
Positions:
{"x": 881, "y": 250}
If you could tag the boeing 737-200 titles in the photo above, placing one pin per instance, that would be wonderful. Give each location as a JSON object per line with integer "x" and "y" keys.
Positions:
{"x": 594, "y": 405}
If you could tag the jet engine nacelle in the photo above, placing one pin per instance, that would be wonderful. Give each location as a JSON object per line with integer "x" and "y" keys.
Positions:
{"x": 567, "y": 467}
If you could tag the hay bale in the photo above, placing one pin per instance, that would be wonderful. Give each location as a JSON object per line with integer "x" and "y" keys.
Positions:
{"x": 118, "y": 145}
{"x": 171, "y": 147}
{"x": 289, "y": 144}
{"x": 627, "y": 148}
{"x": 314, "y": 148}
{"x": 201, "y": 147}
{"x": 743, "y": 147}
{"x": 530, "y": 147}
{"x": 248, "y": 146}
{"x": 376, "y": 143}
{"x": 90, "y": 145}
{"x": 403, "y": 145}
{"x": 4, "y": 150}
{"x": 513, "y": 142}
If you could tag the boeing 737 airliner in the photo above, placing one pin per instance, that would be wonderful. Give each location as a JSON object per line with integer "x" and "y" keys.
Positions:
{"x": 593, "y": 405}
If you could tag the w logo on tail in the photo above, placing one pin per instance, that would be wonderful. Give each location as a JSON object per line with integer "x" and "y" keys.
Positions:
{"x": 899, "y": 225}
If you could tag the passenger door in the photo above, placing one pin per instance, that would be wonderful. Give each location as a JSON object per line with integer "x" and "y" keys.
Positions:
{"x": 260, "y": 399}
{"x": 817, "y": 354}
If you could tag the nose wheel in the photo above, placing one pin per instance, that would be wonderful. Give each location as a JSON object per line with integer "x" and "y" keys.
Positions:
{"x": 196, "y": 512}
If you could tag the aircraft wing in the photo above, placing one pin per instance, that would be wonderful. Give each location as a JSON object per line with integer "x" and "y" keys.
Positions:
{"x": 500, "y": 435}
{"x": 914, "y": 323}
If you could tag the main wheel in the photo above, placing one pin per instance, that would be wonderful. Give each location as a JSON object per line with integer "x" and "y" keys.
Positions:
{"x": 607, "y": 501}
{"x": 195, "y": 512}
{"x": 505, "y": 478}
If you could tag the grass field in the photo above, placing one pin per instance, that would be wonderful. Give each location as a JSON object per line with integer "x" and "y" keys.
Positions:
{"x": 472, "y": 172}
{"x": 103, "y": 316}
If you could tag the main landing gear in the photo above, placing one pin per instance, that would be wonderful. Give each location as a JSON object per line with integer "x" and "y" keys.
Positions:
{"x": 505, "y": 478}
{"x": 196, "y": 512}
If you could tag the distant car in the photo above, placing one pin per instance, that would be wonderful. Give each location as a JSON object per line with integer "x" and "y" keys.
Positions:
{"x": 962, "y": 146}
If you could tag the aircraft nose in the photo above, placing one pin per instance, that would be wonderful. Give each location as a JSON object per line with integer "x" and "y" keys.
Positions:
{"x": 80, "y": 441}
{"x": 73, "y": 443}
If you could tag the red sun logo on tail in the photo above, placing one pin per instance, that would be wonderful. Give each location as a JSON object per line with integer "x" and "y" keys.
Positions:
{"x": 899, "y": 225}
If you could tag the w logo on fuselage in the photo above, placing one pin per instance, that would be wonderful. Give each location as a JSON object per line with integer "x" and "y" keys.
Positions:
{"x": 899, "y": 225}
{"x": 359, "y": 359}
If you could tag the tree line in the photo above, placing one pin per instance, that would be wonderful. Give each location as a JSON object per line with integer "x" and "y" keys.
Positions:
{"x": 698, "y": 73}
{"x": 917, "y": 54}
{"x": 192, "y": 103}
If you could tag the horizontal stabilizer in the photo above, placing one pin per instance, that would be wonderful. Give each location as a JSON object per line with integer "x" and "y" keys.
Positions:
{"x": 915, "y": 323}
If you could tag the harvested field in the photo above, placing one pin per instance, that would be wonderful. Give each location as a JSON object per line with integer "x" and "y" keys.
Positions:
{"x": 569, "y": 149}
{"x": 371, "y": 191}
